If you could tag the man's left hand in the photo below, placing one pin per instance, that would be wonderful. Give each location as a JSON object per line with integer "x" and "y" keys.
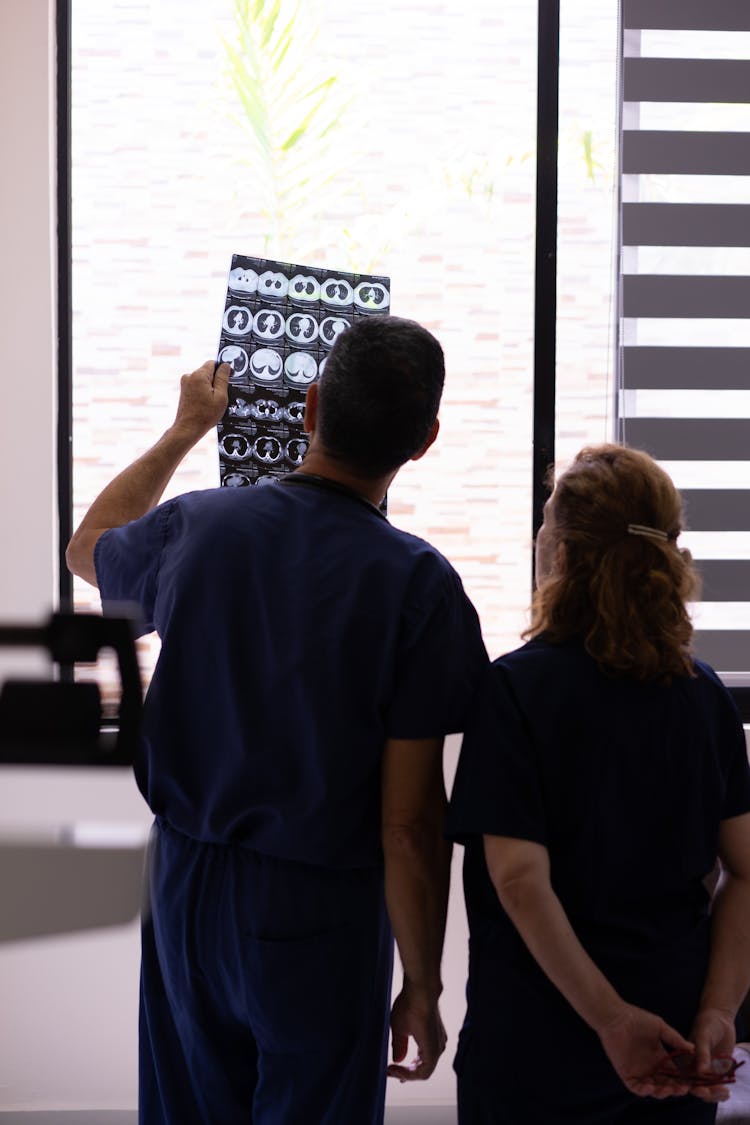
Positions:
{"x": 421, "y": 1021}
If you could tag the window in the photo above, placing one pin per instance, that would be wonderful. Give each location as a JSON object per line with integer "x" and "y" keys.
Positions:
{"x": 684, "y": 361}
{"x": 433, "y": 151}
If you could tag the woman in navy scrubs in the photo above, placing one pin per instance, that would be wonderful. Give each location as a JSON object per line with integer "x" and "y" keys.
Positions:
{"x": 603, "y": 772}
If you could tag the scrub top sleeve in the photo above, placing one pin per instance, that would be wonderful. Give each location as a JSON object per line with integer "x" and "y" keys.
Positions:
{"x": 497, "y": 789}
{"x": 127, "y": 561}
{"x": 441, "y": 659}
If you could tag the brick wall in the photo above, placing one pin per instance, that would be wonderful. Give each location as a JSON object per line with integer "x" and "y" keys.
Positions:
{"x": 443, "y": 100}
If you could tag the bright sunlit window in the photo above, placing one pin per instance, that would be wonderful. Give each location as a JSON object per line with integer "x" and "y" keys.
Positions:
{"x": 401, "y": 144}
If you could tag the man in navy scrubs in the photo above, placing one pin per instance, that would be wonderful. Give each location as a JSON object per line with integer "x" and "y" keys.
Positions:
{"x": 313, "y": 658}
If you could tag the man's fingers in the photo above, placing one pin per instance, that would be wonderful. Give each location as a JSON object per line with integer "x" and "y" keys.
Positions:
{"x": 202, "y": 374}
{"x": 408, "y": 1073}
{"x": 420, "y": 1067}
{"x": 403, "y": 1073}
{"x": 415, "y": 1071}
{"x": 221, "y": 376}
{"x": 206, "y": 370}
{"x": 400, "y": 1046}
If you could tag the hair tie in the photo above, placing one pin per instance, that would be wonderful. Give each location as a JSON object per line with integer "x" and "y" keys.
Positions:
{"x": 648, "y": 532}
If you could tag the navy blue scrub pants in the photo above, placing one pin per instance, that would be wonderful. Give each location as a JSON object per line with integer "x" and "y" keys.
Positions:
{"x": 265, "y": 989}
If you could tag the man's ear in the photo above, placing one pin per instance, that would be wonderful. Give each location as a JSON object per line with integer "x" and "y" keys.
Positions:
{"x": 430, "y": 439}
{"x": 311, "y": 409}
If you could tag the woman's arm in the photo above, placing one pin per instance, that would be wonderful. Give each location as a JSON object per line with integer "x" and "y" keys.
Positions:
{"x": 633, "y": 1039}
{"x": 728, "y": 978}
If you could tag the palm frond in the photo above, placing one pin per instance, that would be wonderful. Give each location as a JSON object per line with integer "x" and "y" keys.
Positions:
{"x": 289, "y": 106}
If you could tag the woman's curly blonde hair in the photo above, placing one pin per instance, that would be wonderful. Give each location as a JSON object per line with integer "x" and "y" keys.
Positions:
{"x": 623, "y": 594}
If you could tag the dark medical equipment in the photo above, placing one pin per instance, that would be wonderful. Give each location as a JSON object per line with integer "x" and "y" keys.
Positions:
{"x": 60, "y": 722}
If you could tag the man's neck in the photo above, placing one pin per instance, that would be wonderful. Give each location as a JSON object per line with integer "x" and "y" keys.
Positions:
{"x": 320, "y": 464}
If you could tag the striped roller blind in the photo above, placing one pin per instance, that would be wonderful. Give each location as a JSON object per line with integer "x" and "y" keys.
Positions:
{"x": 684, "y": 292}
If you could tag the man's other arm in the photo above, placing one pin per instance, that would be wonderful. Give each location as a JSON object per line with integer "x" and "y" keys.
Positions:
{"x": 138, "y": 489}
{"x": 417, "y": 877}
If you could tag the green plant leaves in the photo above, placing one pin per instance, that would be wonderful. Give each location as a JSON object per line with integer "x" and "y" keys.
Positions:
{"x": 290, "y": 109}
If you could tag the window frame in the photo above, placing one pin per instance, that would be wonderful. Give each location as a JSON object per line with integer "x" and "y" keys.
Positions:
{"x": 545, "y": 275}
{"x": 64, "y": 303}
{"x": 648, "y": 293}
{"x": 545, "y": 286}
{"x": 545, "y": 265}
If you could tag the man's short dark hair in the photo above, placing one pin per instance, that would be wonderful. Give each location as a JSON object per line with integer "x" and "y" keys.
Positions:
{"x": 379, "y": 393}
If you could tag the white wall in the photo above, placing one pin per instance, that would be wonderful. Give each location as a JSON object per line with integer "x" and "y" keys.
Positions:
{"x": 27, "y": 308}
{"x": 68, "y": 1006}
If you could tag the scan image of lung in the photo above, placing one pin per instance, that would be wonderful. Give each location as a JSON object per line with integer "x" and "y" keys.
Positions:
{"x": 238, "y": 321}
{"x": 243, "y": 280}
{"x": 266, "y": 365}
{"x": 304, "y": 289}
{"x": 294, "y": 411}
{"x": 296, "y": 449}
{"x": 372, "y": 296}
{"x": 235, "y": 480}
{"x": 332, "y": 327}
{"x": 337, "y": 291}
{"x": 235, "y": 446}
{"x": 300, "y": 368}
{"x": 268, "y": 324}
{"x": 237, "y": 358}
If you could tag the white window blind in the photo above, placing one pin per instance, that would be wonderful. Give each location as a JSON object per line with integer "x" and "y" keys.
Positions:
{"x": 684, "y": 287}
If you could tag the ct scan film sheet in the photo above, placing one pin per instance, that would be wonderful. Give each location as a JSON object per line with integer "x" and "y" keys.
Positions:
{"x": 280, "y": 322}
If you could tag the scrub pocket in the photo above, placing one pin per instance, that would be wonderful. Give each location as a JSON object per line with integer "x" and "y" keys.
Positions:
{"x": 309, "y": 993}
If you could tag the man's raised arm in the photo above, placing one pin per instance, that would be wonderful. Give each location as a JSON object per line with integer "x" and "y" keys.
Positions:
{"x": 138, "y": 489}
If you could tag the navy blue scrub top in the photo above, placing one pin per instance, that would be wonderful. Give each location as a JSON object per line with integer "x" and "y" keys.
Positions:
{"x": 624, "y": 782}
{"x": 299, "y": 631}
